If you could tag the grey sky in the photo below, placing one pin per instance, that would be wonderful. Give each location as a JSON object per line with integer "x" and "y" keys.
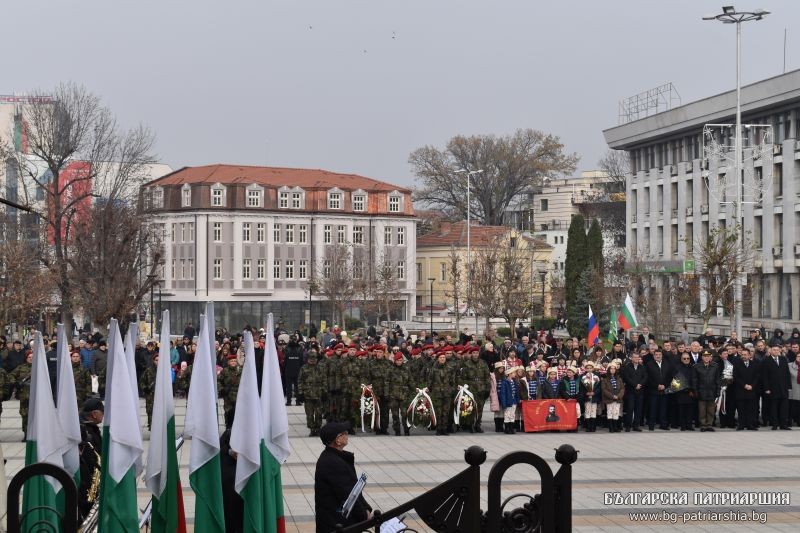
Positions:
{"x": 324, "y": 84}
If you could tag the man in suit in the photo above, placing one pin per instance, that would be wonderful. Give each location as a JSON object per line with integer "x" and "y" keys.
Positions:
{"x": 659, "y": 376}
{"x": 635, "y": 377}
{"x": 776, "y": 382}
{"x": 746, "y": 379}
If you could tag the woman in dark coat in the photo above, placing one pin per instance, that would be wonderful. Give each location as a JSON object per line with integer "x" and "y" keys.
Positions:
{"x": 683, "y": 387}
{"x": 334, "y": 478}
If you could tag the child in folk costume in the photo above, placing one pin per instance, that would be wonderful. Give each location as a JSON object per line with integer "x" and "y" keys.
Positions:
{"x": 613, "y": 390}
{"x": 562, "y": 366}
{"x": 534, "y": 389}
{"x": 590, "y": 390}
{"x": 497, "y": 377}
{"x": 522, "y": 383}
{"x": 508, "y": 395}
{"x": 570, "y": 388}
{"x": 550, "y": 387}
{"x": 541, "y": 372}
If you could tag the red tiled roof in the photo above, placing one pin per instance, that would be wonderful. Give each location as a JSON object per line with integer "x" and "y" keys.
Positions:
{"x": 455, "y": 234}
{"x": 308, "y": 179}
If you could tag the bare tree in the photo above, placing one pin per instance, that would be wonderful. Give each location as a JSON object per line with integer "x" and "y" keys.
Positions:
{"x": 387, "y": 287}
{"x": 510, "y": 165}
{"x": 333, "y": 280}
{"x": 483, "y": 289}
{"x": 76, "y": 151}
{"x": 515, "y": 276}
{"x": 454, "y": 290}
{"x": 116, "y": 261}
{"x": 617, "y": 165}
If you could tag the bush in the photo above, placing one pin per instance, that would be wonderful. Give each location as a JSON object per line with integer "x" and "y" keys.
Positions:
{"x": 504, "y": 332}
{"x": 351, "y": 323}
{"x": 545, "y": 323}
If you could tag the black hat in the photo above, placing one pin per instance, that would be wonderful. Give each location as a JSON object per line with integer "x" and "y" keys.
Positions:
{"x": 331, "y": 430}
{"x": 93, "y": 404}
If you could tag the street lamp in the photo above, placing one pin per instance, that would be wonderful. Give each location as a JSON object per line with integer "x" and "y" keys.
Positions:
{"x": 430, "y": 309}
{"x": 151, "y": 280}
{"x": 729, "y": 15}
{"x": 469, "y": 174}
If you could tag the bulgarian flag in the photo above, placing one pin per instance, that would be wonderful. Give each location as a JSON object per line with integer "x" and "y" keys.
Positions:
{"x": 46, "y": 443}
{"x": 627, "y": 318}
{"x": 202, "y": 426}
{"x": 67, "y": 403}
{"x": 612, "y": 326}
{"x": 276, "y": 432}
{"x": 130, "y": 358}
{"x": 161, "y": 473}
{"x": 247, "y": 440}
{"x": 122, "y": 444}
{"x": 594, "y": 330}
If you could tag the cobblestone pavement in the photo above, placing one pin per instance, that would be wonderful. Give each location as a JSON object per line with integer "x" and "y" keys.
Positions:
{"x": 400, "y": 468}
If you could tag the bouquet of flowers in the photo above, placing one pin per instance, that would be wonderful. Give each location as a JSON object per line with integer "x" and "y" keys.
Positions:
{"x": 678, "y": 384}
{"x": 420, "y": 411}
{"x": 370, "y": 409}
{"x": 463, "y": 406}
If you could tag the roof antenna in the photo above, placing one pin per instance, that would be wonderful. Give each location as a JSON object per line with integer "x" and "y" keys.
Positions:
{"x": 784, "y": 50}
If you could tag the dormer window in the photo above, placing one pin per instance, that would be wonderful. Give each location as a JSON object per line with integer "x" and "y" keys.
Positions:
{"x": 186, "y": 195}
{"x": 335, "y": 200}
{"x": 291, "y": 198}
{"x": 255, "y": 196}
{"x": 217, "y": 195}
{"x": 158, "y": 197}
{"x": 359, "y": 200}
{"x": 297, "y": 200}
{"x": 283, "y": 199}
{"x": 395, "y": 203}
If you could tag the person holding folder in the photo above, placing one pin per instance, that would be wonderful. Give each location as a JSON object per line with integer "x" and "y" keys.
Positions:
{"x": 334, "y": 479}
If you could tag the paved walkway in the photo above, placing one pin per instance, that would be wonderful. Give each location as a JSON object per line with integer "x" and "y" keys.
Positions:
{"x": 400, "y": 468}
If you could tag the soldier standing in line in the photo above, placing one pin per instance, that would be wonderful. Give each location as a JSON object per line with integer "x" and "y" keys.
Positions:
{"x": 183, "y": 378}
{"x": 82, "y": 377}
{"x": 20, "y": 381}
{"x": 312, "y": 382}
{"x": 379, "y": 368}
{"x": 440, "y": 386}
{"x": 475, "y": 374}
{"x": 398, "y": 387}
{"x": 228, "y": 386}
{"x": 147, "y": 388}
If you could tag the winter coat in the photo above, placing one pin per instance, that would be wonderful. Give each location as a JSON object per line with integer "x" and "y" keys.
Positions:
{"x": 494, "y": 401}
{"x": 707, "y": 382}
{"x": 608, "y": 391}
{"x": 590, "y": 388}
{"x": 685, "y": 372}
{"x": 794, "y": 394}
{"x": 508, "y": 393}
{"x": 292, "y": 359}
{"x": 334, "y": 478}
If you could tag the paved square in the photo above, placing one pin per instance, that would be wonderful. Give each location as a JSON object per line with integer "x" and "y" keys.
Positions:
{"x": 400, "y": 468}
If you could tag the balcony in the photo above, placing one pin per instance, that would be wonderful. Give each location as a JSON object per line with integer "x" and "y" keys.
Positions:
{"x": 777, "y": 251}
{"x": 704, "y": 209}
{"x": 797, "y": 249}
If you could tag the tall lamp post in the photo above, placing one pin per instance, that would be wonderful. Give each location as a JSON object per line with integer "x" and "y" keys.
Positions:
{"x": 469, "y": 174}
{"x": 729, "y": 15}
{"x": 430, "y": 310}
{"x": 151, "y": 279}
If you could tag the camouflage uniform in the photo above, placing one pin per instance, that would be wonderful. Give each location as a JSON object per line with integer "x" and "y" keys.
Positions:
{"x": 441, "y": 386}
{"x": 398, "y": 386}
{"x": 379, "y": 369}
{"x": 228, "y": 387}
{"x": 182, "y": 381}
{"x": 336, "y": 387}
{"x": 147, "y": 387}
{"x": 355, "y": 373}
{"x": 83, "y": 383}
{"x": 475, "y": 374}
{"x": 20, "y": 381}
{"x": 312, "y": 384}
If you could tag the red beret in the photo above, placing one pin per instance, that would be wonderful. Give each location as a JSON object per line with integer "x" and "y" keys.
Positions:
{"x": 231, "y": 356}
{"x": 398, "y": 356}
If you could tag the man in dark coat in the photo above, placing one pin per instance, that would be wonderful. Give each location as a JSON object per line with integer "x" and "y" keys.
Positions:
{"x": 292, "y": 362}
{"x": 707, "y": 387}
{"x": 334, "y": 478}
{"x": 635, "y": 377}
{"x": 232, "y": 503}
{"x": 659, "y": 377}
{"x": 776, "y": 382}
{"x": 746, "y": 379}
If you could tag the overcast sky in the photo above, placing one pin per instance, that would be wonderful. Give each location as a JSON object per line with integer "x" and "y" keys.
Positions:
{"x": 355, "y": 86}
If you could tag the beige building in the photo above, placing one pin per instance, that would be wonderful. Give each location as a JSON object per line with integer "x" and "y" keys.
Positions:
{"x": 434, "y": 264}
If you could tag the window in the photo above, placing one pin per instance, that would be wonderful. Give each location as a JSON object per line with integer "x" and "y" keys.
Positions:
{"x": 334, "y": 200}
{"x": 283, "y": 200}
{"x": 186, "y": 193}
{"x": 401, "y": 236}
{"x": 326, "y": 234}
{"x": 183, "y": 269}
{"x": 689, "y": 238}
{"x": 543, "y": 204}
{"x": 401, "y": 270}
{"x": 302, "y": 269}
{"x": 183, "y": 232}
{"x": 387, "y": 235}
{"x": 246, "y": 268}
{"x": 217, "y": 231}
{"x": 419, "y": 272}
{"x": 246, "y": 233}
{"x": 289, "y": 269}
{"x": 217, "y": 268}
{"x": 276, "y": 233}
{"x": 297, "y": 199}
{"x": 758, "y": 232}
{"x": 261, "y": 269}
{"x": 341, "y": 234}
{"x": 358, "y": 202}
{"x": 777, "y": 180}
{"x": 254, "y": 197}
{"x": 276, "y": 269}
{"x": 394, "y": 204}
{"x": 303, "y": 237}
{"x": 158, "y": 197}
{"x": 172, "y": 235}
{"x": 358, "y": 234}
{"x": 190, "y": 227}
{"x": 442, "y": 272}
{"x": 261, "y": 231}
{"x": 217, "y": 196}
{"x": 326, "y": 268}
{"x": 190, "y": 268}
{"x": 289, "y": 233}
{"x": 358, "y": 269}
{"x": 777, "y": 232}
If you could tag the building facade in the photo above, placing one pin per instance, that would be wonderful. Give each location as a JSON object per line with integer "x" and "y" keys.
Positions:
{"x": 674, "y": 199}
{"x": 251, "y": 239}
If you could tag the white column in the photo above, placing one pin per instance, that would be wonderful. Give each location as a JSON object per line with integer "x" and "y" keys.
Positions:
{"x": 201, "y": 239}
{"x": 237, "y": 253}
{"x": 168, "y": 253}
